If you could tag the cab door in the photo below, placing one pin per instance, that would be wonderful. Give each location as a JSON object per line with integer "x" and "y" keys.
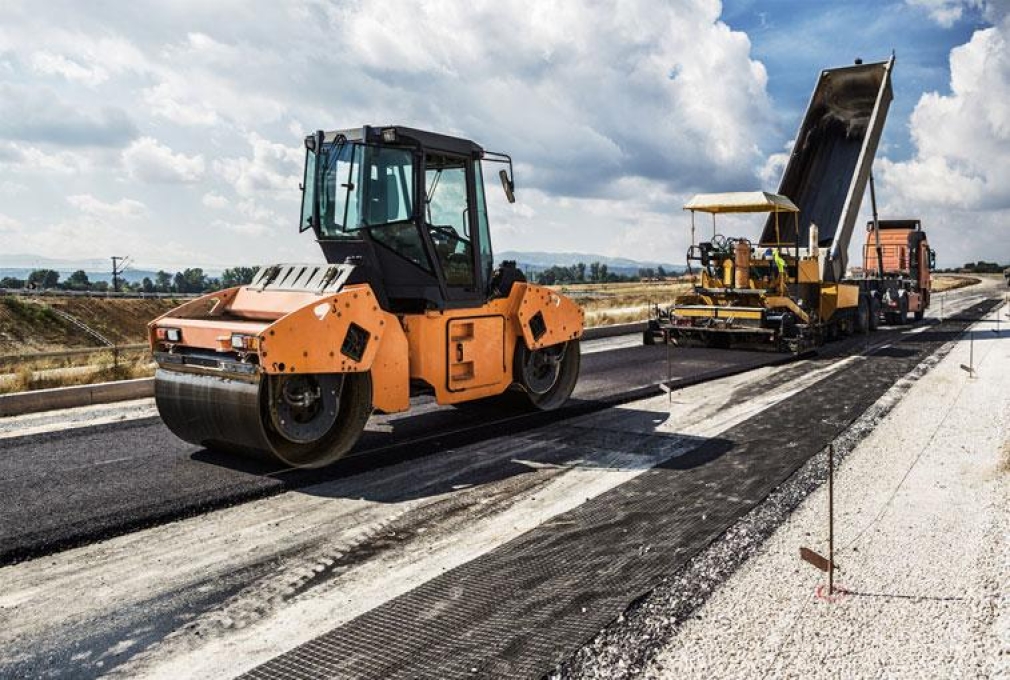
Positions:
{"x": 449, "y": 221}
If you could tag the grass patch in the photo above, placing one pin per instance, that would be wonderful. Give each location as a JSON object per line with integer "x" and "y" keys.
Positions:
{"x": 29, "y": 311}
{"x": 26, "y": 378}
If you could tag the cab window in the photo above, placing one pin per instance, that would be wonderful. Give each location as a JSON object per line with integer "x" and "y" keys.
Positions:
{"x": 446, "y": 217}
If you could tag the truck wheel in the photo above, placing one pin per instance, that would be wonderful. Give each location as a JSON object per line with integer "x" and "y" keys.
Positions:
{"x": 861, "y": 324}
{"x": 648, "y": 338}
{"x": 874, "y": 313}
{"x": 919, "y": 314}
{"x": 902, "y": 315}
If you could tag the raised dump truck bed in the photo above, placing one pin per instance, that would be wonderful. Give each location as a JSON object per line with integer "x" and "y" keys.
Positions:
{"x": 831, "y": 159}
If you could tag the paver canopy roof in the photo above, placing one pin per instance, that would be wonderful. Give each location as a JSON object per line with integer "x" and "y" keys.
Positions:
{"x": 741, "y": 202}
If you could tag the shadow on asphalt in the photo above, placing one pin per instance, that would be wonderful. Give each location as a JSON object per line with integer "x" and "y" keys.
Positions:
{"x": 542, "y": 440}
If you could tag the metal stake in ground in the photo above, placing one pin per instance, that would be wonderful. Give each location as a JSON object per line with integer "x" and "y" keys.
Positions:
{"x": 808, "y": 555}
{"x": 831, "y": 519}
{"x": 971, "y": 355}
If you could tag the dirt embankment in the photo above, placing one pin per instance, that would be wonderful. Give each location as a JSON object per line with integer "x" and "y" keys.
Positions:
{"x": 31, "y": 325}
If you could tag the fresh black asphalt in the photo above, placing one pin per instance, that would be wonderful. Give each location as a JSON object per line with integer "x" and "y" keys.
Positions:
{"x": 70, "y": 487}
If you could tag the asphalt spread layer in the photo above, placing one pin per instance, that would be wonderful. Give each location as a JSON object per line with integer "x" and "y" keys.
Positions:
{"x": 62, "y": 489}
{"x": 521, "y": 609}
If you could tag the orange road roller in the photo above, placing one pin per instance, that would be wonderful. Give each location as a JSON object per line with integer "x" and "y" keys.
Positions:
{"x": 409, "y": 302}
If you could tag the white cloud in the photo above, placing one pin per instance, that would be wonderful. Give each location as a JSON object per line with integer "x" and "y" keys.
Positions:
{"x": 596, "y": 102}
{"x": 8, "y": 224}
{"x": 10, "y": 188}
{"x": 216, "y": 201}
{"x": 89, "y": 205}
{"x": 24, "y": 159}
{"x": 273, "y": 168}
{"x": 957, "y": 179}
{"x": 171, "y": 101}
{"x": 149, "y": 161}
{"x": 948, "y": 12}
{"x": 242, "y": 228}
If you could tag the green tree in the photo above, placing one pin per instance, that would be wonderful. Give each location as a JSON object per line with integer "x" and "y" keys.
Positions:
{"x": 78, "y": 281}
{"x": 44, "y": 278}
{"x": 238, "y": 276}
{"x": 190, "y": 281}
{"x": 147, "y": 285}
{"x": 11, "y": 282}
{"x": 163, "y": 282}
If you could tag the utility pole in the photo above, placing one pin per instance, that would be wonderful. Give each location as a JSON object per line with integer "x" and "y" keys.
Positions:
{"x": 118, "y": 267}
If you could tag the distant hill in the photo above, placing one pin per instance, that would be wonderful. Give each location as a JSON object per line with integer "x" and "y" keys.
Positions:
{"x": 538, "y": 261}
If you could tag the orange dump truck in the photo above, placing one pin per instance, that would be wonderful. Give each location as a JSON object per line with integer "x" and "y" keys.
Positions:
{"x": 897, "y": 270}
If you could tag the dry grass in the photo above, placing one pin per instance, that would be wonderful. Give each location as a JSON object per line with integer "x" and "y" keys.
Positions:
{"x": 945, "y": 282}
{"x": 105, "y": 370}
{"x": 610, "y": 318}
{"x": 612, "y": 303}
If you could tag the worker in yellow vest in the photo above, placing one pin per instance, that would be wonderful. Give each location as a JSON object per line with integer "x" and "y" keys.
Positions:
{"x": 780, "y": 265}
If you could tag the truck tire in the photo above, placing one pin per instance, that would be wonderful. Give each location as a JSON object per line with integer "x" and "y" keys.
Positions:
{"x": 874, "y": 313}
{"x": 861, "y": 322}
{"x": 901, "y": 317}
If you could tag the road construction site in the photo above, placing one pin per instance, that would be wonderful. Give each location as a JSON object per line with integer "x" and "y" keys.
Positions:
{"x": 461, "y": 542}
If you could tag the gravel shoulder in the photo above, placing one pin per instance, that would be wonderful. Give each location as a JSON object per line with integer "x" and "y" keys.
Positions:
{"x": 921, "y": 539}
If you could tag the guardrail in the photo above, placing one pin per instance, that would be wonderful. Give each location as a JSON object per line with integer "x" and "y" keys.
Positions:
{"x": 59, "y": 292}
{"x": 69, "y": 353}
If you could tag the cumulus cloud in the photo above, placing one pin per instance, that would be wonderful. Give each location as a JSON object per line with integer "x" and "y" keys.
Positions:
{"x": 24, "y": 159}
{"x": 958, "y": 175}
{"x": 242, "y": 228}
{"x": 41, "y": 115}
{"x": 273, "y": 167}
{"x": 149, "y": 161}
{"x": 56, "y": 64}
{"x": 597, "y": 103}
{"x": 584, "y": 94}
{"x": 89, "y": 205}
{"x": 8, "y": 224}
{"x": 214, "y": 200}
{"x": 948, "y": 12}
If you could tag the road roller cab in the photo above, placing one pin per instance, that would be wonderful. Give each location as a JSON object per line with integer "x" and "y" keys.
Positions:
{"x": 408, "y": 301}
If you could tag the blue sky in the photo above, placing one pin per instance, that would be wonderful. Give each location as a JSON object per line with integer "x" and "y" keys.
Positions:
{"x": 171, "y": 132}
{"x": 787, "y": 35}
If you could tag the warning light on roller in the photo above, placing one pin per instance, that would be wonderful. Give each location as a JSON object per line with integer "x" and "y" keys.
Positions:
{"x": 169, "y": 334}
{"x": 243, "y": 342}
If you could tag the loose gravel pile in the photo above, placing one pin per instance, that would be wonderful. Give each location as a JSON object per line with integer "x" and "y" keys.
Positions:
{"x": 921, "y": 521}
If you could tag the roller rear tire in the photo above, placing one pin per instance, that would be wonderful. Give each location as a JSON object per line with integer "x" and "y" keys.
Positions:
{"x": 541, "y": 396}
